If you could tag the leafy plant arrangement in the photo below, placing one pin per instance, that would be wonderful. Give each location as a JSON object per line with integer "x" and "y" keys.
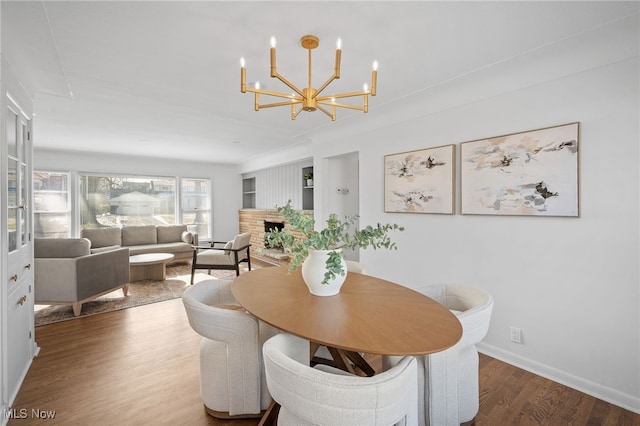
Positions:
{"x": 308, "y": 175}
{"x": 338, "y": 234}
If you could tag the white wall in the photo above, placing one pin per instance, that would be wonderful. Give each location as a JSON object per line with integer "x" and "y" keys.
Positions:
{"x": 226, "y": 183}
{"x": 571, "y": 284}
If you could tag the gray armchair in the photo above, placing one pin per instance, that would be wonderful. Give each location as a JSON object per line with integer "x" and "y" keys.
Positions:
{"x": 67, "y": 273}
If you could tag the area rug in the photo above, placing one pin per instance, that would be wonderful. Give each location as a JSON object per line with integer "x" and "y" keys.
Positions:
{"x": 140, "y": 293}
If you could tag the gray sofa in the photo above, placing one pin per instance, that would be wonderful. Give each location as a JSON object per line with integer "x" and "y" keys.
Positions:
{"x": 67, "y": 273}
{"x": 174, "y": 239}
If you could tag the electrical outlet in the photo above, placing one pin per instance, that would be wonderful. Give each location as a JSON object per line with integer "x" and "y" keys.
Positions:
{"x": 515, "y": 334}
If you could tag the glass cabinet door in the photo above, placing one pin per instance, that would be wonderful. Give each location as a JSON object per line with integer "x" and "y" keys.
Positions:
{"x": 17, "y": 175}
{"x": 12, "y": 181}
{"x": 24, "y": 188}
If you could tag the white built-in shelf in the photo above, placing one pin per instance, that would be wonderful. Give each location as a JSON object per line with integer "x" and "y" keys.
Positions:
{"x": 249, "y": 193}
{"x": 307, "y": 190}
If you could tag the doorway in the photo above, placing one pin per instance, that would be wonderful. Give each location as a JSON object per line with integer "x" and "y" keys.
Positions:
{"x": 344, "y": 191}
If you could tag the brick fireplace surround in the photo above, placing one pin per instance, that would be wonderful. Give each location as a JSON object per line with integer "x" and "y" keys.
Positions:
{"x": 252, "y": 220}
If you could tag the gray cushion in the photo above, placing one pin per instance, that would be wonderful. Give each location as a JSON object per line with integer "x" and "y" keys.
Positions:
{"x": 173, "y": 248}
{"x": 214, "y": 257}
{"x": 242, "y": 240}
{"x": 103, "y": 249}
{"x": 139, "y": 235}
{"x": 61, "y": 247}
{"x": 170, "y": 233}
{"x": 102, "y": 237}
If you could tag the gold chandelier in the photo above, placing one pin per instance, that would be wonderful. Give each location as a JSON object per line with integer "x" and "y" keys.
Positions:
{"x": 309, "y": 98}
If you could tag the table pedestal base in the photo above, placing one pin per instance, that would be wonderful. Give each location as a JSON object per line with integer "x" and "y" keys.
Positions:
{"x": 344, "y": 360}
{"x": 156, "y": 272}
{"x": 270, "y": 417}
{"x": 149, "y": 266}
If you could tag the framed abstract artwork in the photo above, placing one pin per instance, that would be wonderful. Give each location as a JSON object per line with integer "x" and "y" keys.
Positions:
{"x": 420, "y": 181}
{"x": 533, "y": 173}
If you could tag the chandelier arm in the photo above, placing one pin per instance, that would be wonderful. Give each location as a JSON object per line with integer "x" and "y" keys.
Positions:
{"x": 270, "y": 93}
{"x": 342, "y": 105}
{"x": 333, "y": 77}
{"x": 288, "y": 83}
{"x": 336, "y": 74}
{"x": 342, "y": 95}
{"x": 278, "y": 104}
{"x": 295, "y": 113}
{"x": 332, "y": 117}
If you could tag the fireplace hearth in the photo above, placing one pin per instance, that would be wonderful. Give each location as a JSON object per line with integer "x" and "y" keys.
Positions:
{"x": 253, "y": 221}
{"x": 272, "y": 226}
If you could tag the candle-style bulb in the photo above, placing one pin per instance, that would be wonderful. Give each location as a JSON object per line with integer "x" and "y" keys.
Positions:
{"x": 375, "y": 65}
{"x": 242, "y": 63}
{"x": 257, "y": 85}
{"x": 273, "y": 41}
{"x": 365, "y": 87}
{"x": 339, "y": 44}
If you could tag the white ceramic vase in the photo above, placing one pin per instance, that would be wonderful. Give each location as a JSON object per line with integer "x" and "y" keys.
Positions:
{"x": 313, "y": 269}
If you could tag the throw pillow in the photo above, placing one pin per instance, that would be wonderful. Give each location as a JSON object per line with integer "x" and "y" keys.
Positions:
{"x": 187, "y": 237}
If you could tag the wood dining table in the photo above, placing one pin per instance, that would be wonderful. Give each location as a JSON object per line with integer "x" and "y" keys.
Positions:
{"x": 368, "y": 315}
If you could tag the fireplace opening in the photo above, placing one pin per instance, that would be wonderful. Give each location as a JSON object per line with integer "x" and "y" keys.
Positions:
{"x": 271, "y": 226}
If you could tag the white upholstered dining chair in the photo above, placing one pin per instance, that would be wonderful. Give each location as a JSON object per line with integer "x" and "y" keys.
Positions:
{"x": 353, "y": 266}
{"x": 232, "y": 380}
{"x": 327, "y": 396}
{"x": 448, "y": 387}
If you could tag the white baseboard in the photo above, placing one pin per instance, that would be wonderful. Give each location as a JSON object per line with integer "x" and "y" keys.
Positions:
{"x": 612, "y": 396}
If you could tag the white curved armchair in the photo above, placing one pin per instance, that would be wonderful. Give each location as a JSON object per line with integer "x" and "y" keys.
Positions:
{"x": 353, "y": 266}
{"x": 448, "y": 388}
{"x": 232, "y": 380}
{"x": 326, "y": 396}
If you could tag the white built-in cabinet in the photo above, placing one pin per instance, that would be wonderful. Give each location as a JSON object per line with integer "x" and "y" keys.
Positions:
{"x": 16, "y": 258}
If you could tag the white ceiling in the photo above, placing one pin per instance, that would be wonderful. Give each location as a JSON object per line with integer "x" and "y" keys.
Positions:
{"x": 162, "y": 78}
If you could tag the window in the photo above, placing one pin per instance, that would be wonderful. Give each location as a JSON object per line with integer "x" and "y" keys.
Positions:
{"x": 116, "y": 201}
{"x": 52, "y": 211}
{"x": 195, "y": 205}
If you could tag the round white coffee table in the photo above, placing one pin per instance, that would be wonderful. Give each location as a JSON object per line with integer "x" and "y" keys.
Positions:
{"x": 150, "y": 266}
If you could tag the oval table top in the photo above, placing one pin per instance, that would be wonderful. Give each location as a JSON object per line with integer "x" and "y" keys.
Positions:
{"x": 369, "y": 314}
{"x": 150, "y": 258}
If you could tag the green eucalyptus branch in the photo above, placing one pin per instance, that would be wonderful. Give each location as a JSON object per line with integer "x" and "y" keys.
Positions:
{"x": 336, "y": 235}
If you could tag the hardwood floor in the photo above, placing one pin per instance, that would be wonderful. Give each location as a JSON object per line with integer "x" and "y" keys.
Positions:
{"x": 139, "y": 366}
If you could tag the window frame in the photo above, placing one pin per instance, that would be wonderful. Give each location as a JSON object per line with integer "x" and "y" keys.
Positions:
{"x": 199, "y": 228}
{"x": 68, "y": 212}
